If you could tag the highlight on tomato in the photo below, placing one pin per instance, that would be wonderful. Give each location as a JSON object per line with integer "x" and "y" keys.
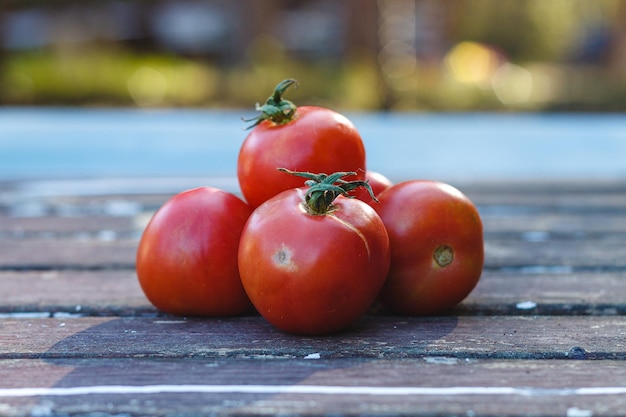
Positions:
{"x": 299, "y": 138}
{"x": 187, "y": 257}
{"x": 437, "y": 249}
{"x": 311, "y": 259}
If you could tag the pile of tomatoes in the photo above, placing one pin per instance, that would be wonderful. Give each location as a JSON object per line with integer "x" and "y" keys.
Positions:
{"x": 319, "y": 239}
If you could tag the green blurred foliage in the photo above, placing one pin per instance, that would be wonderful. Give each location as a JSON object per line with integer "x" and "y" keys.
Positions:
{"x": 105, "y": 75}
{"x": 498, "y": 55}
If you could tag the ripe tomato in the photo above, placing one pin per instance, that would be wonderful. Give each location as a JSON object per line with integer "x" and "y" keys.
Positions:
{"x": 313, "y": 273}
{"x": 377, "y": 181}
{"x": 187, "y": 255}
{"x": 436, "y": 238}
{"x": 305, "y": 138}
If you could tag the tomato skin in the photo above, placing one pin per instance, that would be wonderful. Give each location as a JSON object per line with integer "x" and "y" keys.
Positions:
{"x": 317, "y": 140}
{"x": 420, "y": 217}
{"x": 187, "y": 256}
{"x": 378, "y": 182}
{"x": 312, "y": 274}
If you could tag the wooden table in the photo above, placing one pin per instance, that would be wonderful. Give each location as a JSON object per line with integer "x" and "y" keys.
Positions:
{"x": 544, "y": 332}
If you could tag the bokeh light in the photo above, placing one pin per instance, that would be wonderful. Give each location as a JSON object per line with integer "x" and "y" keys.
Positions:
{"x": 473, "y": 63}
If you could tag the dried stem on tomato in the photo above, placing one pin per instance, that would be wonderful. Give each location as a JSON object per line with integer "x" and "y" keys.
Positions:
{"x": 276, "y": 108}
{"x": 324, "y": 189}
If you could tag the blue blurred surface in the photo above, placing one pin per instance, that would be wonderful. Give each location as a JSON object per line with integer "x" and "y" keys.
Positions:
{"x": 62, "y": 143}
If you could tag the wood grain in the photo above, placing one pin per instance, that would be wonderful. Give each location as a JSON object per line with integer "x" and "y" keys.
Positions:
{"x": 545, "y": 321}
{"x": 507, "y": 337}
{"x": 608, "y": 252}
{"x": 117, "y": 293}
{"x": 553, "y": 383}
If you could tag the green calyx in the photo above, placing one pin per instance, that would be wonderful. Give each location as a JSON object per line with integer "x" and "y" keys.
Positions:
{"x": 276, "y": 108}
{"x": 324, "y": 189}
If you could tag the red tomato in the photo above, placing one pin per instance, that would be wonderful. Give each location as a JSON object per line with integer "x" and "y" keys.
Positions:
{"x": 378, "y": 182}
{"x": 436, "y": 238}
{"x": 306, "y": 138}
{"x": 187, "y": 255}
{"x": 313, "y": 273}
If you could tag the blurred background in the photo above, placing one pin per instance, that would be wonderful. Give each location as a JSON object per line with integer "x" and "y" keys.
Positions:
{"x": 401, "y": 55}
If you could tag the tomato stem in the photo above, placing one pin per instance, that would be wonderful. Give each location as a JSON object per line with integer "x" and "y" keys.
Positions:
{"x": 324, "y": 189}
{"x": 276, "y": 108}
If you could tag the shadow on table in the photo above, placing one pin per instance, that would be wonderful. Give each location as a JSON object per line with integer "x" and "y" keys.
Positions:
{"x": 236, "y": 351}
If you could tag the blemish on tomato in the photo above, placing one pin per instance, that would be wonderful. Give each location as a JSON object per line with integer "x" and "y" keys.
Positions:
{"x": 283, "y": 259}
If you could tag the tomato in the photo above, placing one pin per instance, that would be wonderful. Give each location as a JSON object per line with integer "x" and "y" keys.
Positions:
{"x": 187, "y": 256}
{"x": 377, "y": 181}
{"x": 305, "y": 138}
{"x": 437, "y": 252}
{"x": 311, "y": 272}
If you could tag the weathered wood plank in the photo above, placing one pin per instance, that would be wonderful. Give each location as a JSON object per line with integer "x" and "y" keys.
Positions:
{"x": 608, "y": 251}
{"x": 561, "y": 293}
{"x": 582, "y": 254}
{"x": 67, "y": 254}
{"x": 507, "y": 337}
{"x": 338, "y": 403}
{"x": 418, "y": 386}
{"x": 598, "y": 193}
{"x": 74, "y": 292}
{"x": 19, "y": 228}
{"x": 63, "y": 196}
{"x": 117, "y": 292}
{"x": 496, "y": 221}
{"x": 427, "y": 371}
{"x": 566, "y": 225}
